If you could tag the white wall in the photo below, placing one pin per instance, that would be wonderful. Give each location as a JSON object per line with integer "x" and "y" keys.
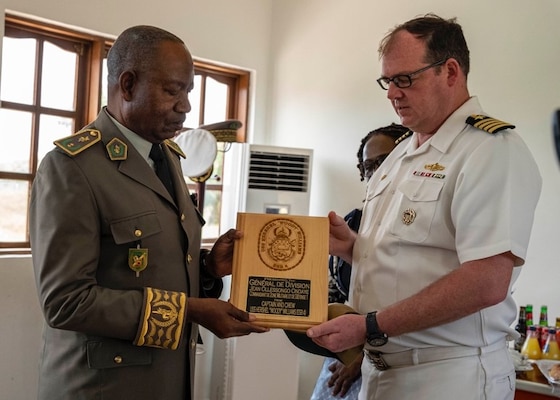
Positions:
{"x": 316, "y": 65}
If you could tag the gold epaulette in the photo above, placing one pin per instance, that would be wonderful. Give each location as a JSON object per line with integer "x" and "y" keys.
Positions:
{"x": 162, "y": 320}
{"x": 488, "y": 124}
{"x": 79, "y": 141}
{"x": 403, "y": 137}
{"x": 174, "y": 147}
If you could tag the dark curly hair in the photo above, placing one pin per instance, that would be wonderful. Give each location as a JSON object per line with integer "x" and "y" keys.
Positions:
{"x": 394, "y": 131}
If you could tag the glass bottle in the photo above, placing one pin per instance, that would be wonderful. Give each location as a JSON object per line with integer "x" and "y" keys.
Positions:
{"x": 543, "y": 320}
{"x": 542, "y": 334}
{"x": 521, "y": 327}
{"x": 551, "y": 351}
{"x": 529, "y": 312}
{"x": 543, "y": 326}
{"x": 531, "y": 348}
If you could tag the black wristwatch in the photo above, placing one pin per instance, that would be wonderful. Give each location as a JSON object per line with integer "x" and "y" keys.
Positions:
{"x": 374, "y": 336}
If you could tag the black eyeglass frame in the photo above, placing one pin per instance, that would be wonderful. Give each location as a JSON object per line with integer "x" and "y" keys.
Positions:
{"x": 403, "y": 81}
{"x": 369, "y": 166}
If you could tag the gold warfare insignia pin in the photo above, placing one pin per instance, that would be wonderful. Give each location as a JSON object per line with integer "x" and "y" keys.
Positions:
{"x": 434, "y": 167}
{"x": 137, "y": 259}
{"x": 117, "y": 149}
{"x": 409, "y": 215}
{"x": 281, "y": 244}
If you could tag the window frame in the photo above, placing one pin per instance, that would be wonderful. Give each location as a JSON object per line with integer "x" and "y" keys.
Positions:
{"x": 90, "y": 63}
{"x": 238, "y": 101}
{"x": 93, "y": 50}
{"x": 238, "y": 81}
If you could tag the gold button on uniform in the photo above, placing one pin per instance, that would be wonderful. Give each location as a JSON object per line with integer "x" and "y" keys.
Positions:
{"x": 137, "y": 233}
{"x": 117, "y": 359}
{"x": 189, "y": 258}
{"x": 193, "y": 343}
{"x": 183, "y": 217}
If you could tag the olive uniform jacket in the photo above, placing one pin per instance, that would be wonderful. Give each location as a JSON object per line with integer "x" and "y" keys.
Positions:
{"x": 97, "y": 210}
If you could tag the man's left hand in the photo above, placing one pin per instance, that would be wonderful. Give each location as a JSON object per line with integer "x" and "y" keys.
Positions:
{"x": 219, "y": 260}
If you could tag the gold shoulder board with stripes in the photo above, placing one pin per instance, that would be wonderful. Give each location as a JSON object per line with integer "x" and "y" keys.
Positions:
{"x": 174, "y": 147}
{"x": 403, "y": 137}
{"x": 488, "y": 124}
{"x": 79, "y": 141}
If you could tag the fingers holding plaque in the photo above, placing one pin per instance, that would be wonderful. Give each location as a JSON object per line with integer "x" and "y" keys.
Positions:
{"x": 280, "y": 269}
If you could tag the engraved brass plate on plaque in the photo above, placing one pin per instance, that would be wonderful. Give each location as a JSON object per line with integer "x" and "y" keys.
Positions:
{"x": 280, "y": 269}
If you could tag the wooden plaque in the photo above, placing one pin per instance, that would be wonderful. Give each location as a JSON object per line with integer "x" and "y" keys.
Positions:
{"x": 280, "y": 269}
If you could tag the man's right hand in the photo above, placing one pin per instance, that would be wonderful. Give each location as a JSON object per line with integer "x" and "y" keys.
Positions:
{"x": 221, "y": 318}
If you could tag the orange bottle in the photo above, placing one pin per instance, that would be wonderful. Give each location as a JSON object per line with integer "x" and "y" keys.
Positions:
{"x": 551, "y": 351}
{"x": 531, "y": 348}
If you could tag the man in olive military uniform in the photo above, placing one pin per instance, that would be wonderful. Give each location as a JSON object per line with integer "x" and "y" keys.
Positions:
{"x": 120, "y": 275}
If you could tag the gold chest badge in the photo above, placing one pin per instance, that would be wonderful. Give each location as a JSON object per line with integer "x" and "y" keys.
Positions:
{"x": 409, "y": 215}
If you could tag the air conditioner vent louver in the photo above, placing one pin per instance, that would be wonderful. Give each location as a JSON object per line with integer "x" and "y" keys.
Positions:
{"x": 278, "y": 171}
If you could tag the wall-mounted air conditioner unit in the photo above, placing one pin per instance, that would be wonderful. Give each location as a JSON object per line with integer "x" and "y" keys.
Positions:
{"x": 258, "y": 179}
{"x": 265, "y": 179}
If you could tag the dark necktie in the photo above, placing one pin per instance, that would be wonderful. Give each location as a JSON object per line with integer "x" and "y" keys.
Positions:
{"x": 162, "y": 169}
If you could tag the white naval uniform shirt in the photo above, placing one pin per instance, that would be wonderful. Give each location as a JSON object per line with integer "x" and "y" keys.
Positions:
{"x": 478, "y": 201}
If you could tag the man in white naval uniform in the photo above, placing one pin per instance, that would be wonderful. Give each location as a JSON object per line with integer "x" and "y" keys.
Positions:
{"x": 445, "y": 228}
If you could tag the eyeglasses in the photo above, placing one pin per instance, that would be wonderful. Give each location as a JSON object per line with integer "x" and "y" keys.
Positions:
{"x": 405, "y": 80}
{"x": 371, "y": 165}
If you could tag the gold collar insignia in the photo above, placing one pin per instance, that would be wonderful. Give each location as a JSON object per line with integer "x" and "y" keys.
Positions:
{"x": 117, "y": 149}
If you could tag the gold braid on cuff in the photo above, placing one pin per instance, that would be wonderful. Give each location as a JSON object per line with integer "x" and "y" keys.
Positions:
{"x": 163, "y": 318}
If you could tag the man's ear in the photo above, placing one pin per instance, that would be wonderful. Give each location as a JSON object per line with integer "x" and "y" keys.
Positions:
{"x": 453, "y": 71}
{"x": 127, "y": 82}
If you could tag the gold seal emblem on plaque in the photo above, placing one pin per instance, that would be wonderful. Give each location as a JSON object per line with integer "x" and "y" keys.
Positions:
{"x": 281, "y": 244}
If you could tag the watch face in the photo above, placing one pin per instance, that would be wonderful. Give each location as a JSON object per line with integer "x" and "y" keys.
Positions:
{"x": 377, "y": 341}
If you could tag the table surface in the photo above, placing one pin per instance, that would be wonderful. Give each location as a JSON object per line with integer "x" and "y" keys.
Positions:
{"x": 533, "y": 381}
